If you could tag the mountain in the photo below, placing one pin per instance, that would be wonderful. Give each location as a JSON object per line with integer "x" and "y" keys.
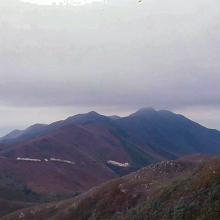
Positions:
{"x": 16, "y": 134}
{"x": 12, "y": 135}
{"x": 161, "y": 131}
{"x": 80, "y": 154}
{"x": 43, "y": 129}
{"x": 169, "y": 134}
{"x": 182, "y": 189}
{"x": 70, "y": 156}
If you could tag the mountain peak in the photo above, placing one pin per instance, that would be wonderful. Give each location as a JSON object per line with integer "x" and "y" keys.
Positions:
{"x": 86, "y": 117}
{"x": 35, "y": 127}
{"x": 92, "y": 113}
{"x": 144, "y": 111}
{"x": 89, "y": 115}
{"x": 13, "y": 134}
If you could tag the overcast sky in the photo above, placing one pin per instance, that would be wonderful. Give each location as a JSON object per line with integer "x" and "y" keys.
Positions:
{"x": 49, "y": 2}
{"x": 113, "y": 57}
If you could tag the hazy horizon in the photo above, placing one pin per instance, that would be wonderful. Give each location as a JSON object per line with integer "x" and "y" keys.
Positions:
{"x": 113, "y": 58}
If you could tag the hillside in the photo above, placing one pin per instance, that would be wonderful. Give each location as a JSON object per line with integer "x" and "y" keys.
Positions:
{"x": 68, "y": 157}
{"x": 167, "y": 190}
{"x": 95, "y": 147}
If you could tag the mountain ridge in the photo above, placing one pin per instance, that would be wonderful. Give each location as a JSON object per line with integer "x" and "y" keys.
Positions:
{"x": 69, "y": 157}
{"x": 85, "y": 150}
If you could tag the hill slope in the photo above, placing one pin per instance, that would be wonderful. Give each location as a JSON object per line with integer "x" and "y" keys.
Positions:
{"x": 91, "y": 140}
{"x": 167, "y": 190}
{"x": 71, "y": 156}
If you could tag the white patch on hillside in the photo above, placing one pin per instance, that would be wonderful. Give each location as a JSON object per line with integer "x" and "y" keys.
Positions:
{"x": 28, "y": 159}
{"x": 45, "y": 160}
{"x": 62, "y": 161}
{"x": 118, "y": 164}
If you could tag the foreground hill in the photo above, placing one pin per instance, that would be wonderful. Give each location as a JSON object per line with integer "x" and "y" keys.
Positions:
{"x": 168, "y": 190}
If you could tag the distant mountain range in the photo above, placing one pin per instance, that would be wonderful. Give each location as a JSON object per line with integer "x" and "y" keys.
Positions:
{"x": 68, "y": 157}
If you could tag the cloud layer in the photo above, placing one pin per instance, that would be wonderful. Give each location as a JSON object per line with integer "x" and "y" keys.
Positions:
{"x": 119, "y": 54}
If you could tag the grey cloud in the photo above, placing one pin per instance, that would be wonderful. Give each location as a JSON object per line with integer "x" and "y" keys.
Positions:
{"x": 123, "y": 53}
